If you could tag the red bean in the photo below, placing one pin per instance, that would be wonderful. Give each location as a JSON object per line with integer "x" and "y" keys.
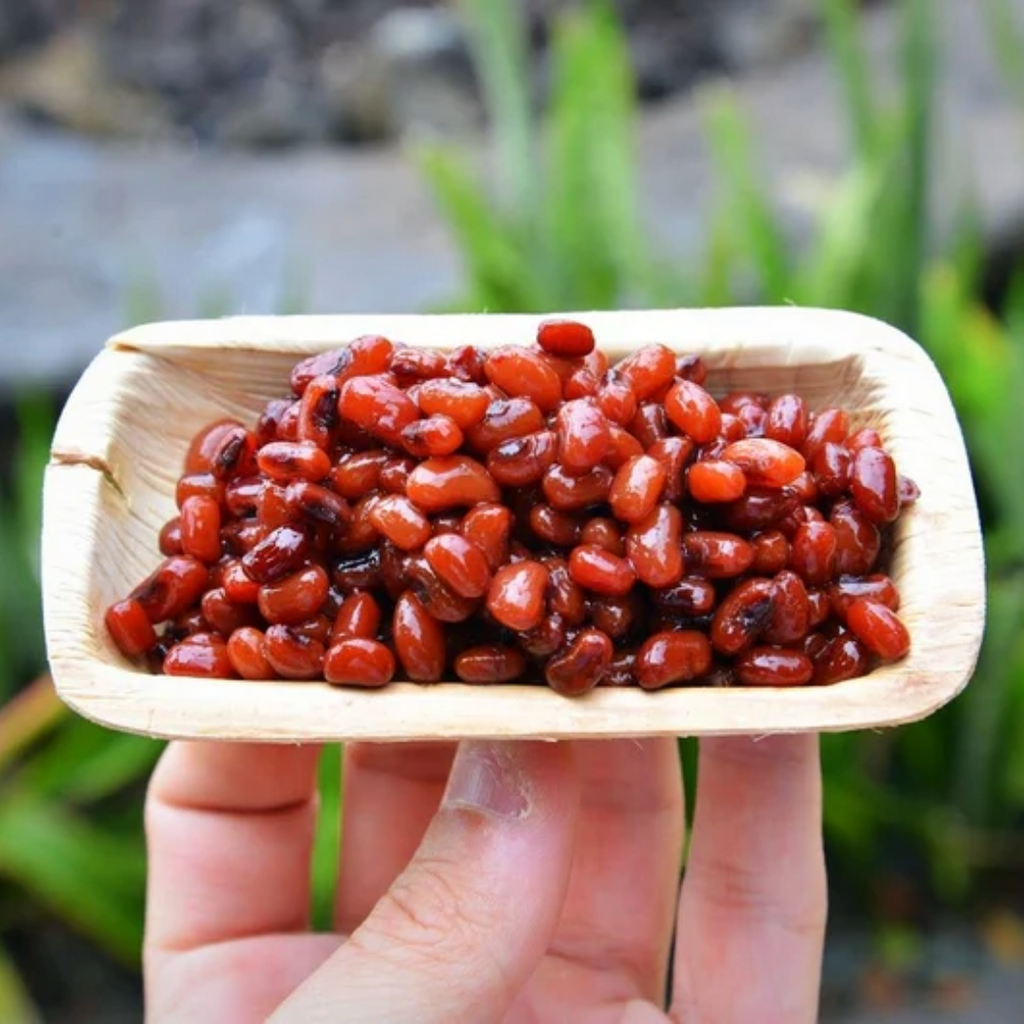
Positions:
{"x": 565, "y": 597}
{"x": 583, "y": 435}
{"x": 866, "y": 437}
{"x": 714, "y": 481}
{"x": 878, "y": 628}
{"x": 716, "y": 555}
{"x": 874, "y": 486}
{"x": 400, "y": 521}
{"x": 285, "y": 461}
{"x": 568, "y": 493}
{"x": 516, "y": 595}
{"x": 292, "y": 655}
{"x": 847, "y": 589}
{"x": 522, "y": 373}
{"x": 318, "y": 411}
{"x": 773, "y": 666}
{"x": 204, "y": 655}
{"x": 765, "y": 463}
{"x": 200, "y": 528}
{"x": 357, "y": 661}
{"x": 813, "y": 553}
{"x": 359, "y": 473}
{"x": 466, "y": 363}
{"x": 450, "y": 482}
{"x": 417, "y": 364}
{"x": 358, "y": 616}
{"x": 616, "y": 399}
{"x": 222, "y": 615}
{"x": 742, "y": 616}
{"x": 199, "y": 484}
{"x": 616, "y": 615}
{"x": 317, "y": 503}
{"x": 668, "y": 658}
{"x": 787, "y": 421}
{"x": 247, "y": 656}
{"x": 649, "y": 369}
{"x": 622, "y": 446}
{"x": 654, "y": 548}
{"x": 490, "y": 664}
{"x": 693, "y": 411}
{"x": 489, "y": 527}
{"x": 465, "y": 404}
{"x": 605, "y": 533}
{"x": 858, "y": 541}
{"x": 436, "y": 435}
{"x": 460, "y": 564}
{"x": 579, "y": 668}
{"x": 378, "y": 407}
{"x": 649, "y": 424}
{"x": 692, "y": 368}
{"x": 395, "y": 473}
{"x": 175, "y": 586}
{"x": 419, "y": 640}
{"x": 169, "y": 540}
{"x": 505, "y": 419}
{"x": 828, "y": 425}
{"x": 295, "y": 598}
{"x": 238, "y": 585}
{"x": 522, "y": 461}
{"x": 673, "y": 453}
{"x": 771, "y": 553}
{"x": 280, "y": 553}
{"x": 566, "y": 338}
{"x": 636, "y": 488}
{"x": 791, "y": 613}
{"x": 843, "y": 657}
{"x": 596, "y": 569}
{"x": 367, "y": 355}
{"x": 440, "y": 601}
{"x": 130, "y": 628}
{"x": 832, "y": 469}
{"x": 758, "y": 510}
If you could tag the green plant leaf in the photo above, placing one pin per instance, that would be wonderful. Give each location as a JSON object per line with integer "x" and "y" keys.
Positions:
{"x": 16, "y": 1006}
{"x": 850, "y": 60}
{"x": 327, "y": 840}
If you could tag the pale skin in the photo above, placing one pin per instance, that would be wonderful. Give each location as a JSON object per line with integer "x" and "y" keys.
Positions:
{"x": 541, "y": 885}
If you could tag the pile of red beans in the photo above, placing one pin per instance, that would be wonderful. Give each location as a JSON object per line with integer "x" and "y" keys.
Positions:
{"x": 525, "y": 513}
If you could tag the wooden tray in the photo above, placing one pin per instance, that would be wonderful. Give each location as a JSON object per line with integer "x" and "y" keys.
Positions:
{"x": 119, "y": 446}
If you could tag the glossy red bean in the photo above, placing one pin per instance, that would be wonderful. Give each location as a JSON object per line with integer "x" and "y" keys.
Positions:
{"x": 771, "y": 553}
{"x": 399, "y": 520}
{"x": 813, "y": 553}
{"x": 858, "y": 541}
{"x": 358, "y": 661}
{"x": 359, "y": 473}
{"x": 450, "y": 482}
{"x": 691, "y": 596}
{"x": 742, "y": 616}
{"x": 758, "y": 510}
{"x": 378, "y": 407}
{"x": 831, "y": 469}
{"x": 649, "y": 370}
{"x": 435, "y": 435}
{"x": 130, "y": 628}
{"x": 203, "y": 654}
{"x": 616, "y": 399}
{"x": 522, "y": 373}
{"x": 464, "y": 403}
{"x": 169, "y": 540}
{"x": 200, "y": 528}
{"x": 358, "y": 616}
{"x": 175, "y": 586}
{"x": 654, "y": 548}
{"x": 636, "y": 488}
{"x": 489, "y": 527}
{"x": 410, "y": 365}
{"x": 649, "y": 424}
{"x": 565, "y": 597}
{"x": 827, "y": 425}
{"x": 318, "y": 411}
{"x": 866, "y": 437}
{"x": 622, "y": 446}
{"x": 579, "y": 668}
{"x": 505, "y": 419}
{"x": 843, "y": 657}
{"x": 773, "y": 666}
{"x": 847, "y": 589}
{"x": 293, "y": 655}
{"x": 419, "y": 640}
{"x": 522, "y": 461}
{"x": 460, "y": 564}
{"x": 674, "y": 453}
{"x": 716, "y": 555}
{"x": 206, "y": 445}
{"x": 515, "y": 597}
{"x": 604, "y": 532}
{"x": 567, "y": 338}
{"x": 668, "y": 658}
{"x": 222, "y": 615}
{"x": 616, "y": 616}
{"x": 713, "y": 481}
{"x": 693, "y": 411}
{"x": 787, "y": 421}
{"x": 285, "y": 461}
{"x": 600, "y": 571}
{"x": 874, "y": 485}
{"x": 490, "y": 664}
{"x": 279, "y": 554}
{"x": 583, "y": 435}
{"x": 878, "y": 628}
{"x": 199, "y": 484}
{"x": 247, "y": 656}
{"x": 765, "y": 463}
{"x": 791, "y": 613}
{"x": 295, "y": 598}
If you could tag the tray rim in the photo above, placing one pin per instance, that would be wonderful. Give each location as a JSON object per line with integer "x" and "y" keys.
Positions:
{"x": 131, "y": 700}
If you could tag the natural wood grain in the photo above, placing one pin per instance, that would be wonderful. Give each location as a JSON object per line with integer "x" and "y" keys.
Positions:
{"x": 118, "y": 449}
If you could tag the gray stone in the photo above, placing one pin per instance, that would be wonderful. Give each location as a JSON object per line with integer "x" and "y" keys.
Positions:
{"x": 83, "y": 224}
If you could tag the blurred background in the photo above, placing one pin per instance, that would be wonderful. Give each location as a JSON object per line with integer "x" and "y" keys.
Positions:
{"x": 166, "y": 159}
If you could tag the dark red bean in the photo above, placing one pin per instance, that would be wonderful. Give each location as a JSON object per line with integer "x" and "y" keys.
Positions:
{"x": 169, "y": 540}
{"x": 674, "y": 454}
{"x": 773, "y": 666}
{"x": 450, "y": 482}
{"x": 206, "y": 445}
{"x": 813, "y": 553}
{"x": 359, "y": 473}
{"x": 758, "y": 510}
{"x": 295, "y": 598}
{"x": 130, "y": 628}
{"x": 636, "y": 488}
{"x": 203, "y": 654}
{"x": 522, "y": 461}
{"x": 435, "y": 435}
{"x": 400, "y": 521}
{"x": 358, "y": 616}
{"x": 358, "y": 661}
{"x": 285, "y": 461}
{"x": 691, "y": 596}
{"x": 489, "y": 527}
{"x": 440, "y": 601}
{"x": 818, "y": 607}
{"x": 605, "y": 532}
{"x": 516, "y": 595}
{"x": 616, "y": 399}
{"x": 175, "y": 586}
{"x": 771, "y": 553}
{"x": 505, "y": 419}
{"x": 418, "y": 364}
{"x": 246, "y": 654}
{"x": 832, "y": 469}
{"x": 292, "y": 655}
{"x": 568, "y": 493}
{"x": 847, "y": 589}
{"x": 874, "y": 485}
{"x": 858, "y": 540}
{"x": 222, "y": 615}
{"x": 791, "y": 613}
{"x": 716, "y": 555}
{"x": 466, "y": 363}
{"x": 490, "y": 664}
{"x": 395, "y": 473}
{"x": 787, "y": 421}
{"x": 742, "y": 616}
{"x": 460, "y": 564}
{"x": 827, "y": 425}
{"x": 566, "y": 338}
{"x": 318, "y": 411}
{"x": 692, "y": 368}
{"x": 565, "y": 597}
{"x": 668, "y": 658}
{"x": 616, "y": 616}
{"x": 199, "y": 484}
{"x": 419, "y": 640}
{"x": 654, "y": 547}
{"x": 843, "y": 657}
{"x": 279, "y": 554}
{"x": 878, "y": 628}
{"x": 364, "y": 356}
{"x": 317, "y": 503}
{"x": 622, "y": 446}
{"x": 579, "y": 668}
{"x": 544, "y": 639}
{"x": 649, "y": 424}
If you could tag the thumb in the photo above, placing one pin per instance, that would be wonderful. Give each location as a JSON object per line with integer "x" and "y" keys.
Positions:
{"x": 463, "y": 928}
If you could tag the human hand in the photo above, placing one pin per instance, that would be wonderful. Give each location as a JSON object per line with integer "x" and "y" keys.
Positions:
{"x": 541, "y": 885}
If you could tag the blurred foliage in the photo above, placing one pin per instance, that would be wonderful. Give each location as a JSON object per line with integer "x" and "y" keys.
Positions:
{"x": 559, "y": 229}
{"x": 556, "y": 225}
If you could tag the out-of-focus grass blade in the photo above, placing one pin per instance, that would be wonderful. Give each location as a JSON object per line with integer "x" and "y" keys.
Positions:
{"x": 84, "y": 762}
{"x": 500, "y": 278}
{"x": 92, "y": 879}
{"x": 501, "y": 56}
{"x": 1007, "y": 37}
{"x": 849, "y": 58}
{"x": 36, "y": 424}
{"x": 16, "y": 1005}
{"x": 327, "y": 841}
{"x": 754, "y": 224}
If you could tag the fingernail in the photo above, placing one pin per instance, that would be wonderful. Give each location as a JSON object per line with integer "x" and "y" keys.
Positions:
{"x": 488, "y": 778}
